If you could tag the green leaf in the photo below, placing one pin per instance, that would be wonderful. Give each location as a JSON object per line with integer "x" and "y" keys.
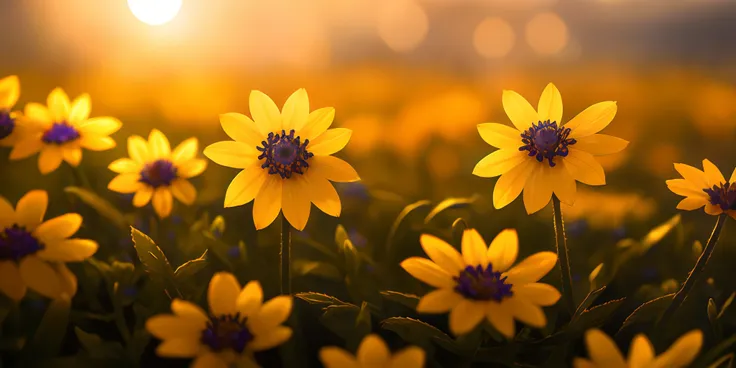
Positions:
{"x": 449, "y": 203}
{"x": 50, "y": 334}
{"x": 589, "y": 299}
{"x": 716, "y": 353}
{"x": 408, "y": 300}
{"x": 340, "y": 319}
{"x": 341, "y": 235}
{"x": 98, "y": 348}
{"x": 217, "y": 228}
{"x": 156, "y": 263}
{"x": 458, "y": 228}
{"x": 648, "y": 311}
{"x": 352, "y": 257}
{"x": 363, "y": 324}
{"x": 595, "y": 278}
{"x": 186, "y": 271}
{"x": 725, "y": 361}
{"x": 302, "y": 267}
{"x": 323, "y": 299}
{"x": 697, "y": 249}
{"x": 316, "y": 246}
{"x": 403, "y": 215}
{"x": 420, "y": 333}
{"x": 712, "y": 311}
{"x": 726, "y": 304}
{"x": 99, "y": 204}
{"x": 658, "y": 233}
{"x": 596, "y": 316}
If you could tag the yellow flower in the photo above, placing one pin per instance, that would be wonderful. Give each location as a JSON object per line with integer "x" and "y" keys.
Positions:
{"x": 480, "y": 283}
{"x": 285, "y": 157}
{"x": 542, "y": 155}
{"x": 33, "y": 252}
{"x": 239, "y": 324}
{"x": 9, "y": 93}
{"x": 372, "y": 352}
{"x": 155, "y": 173}
{"x": 705, "y": 188}
{"x": 605, "y": 354}
{"x": 61, "y": 130}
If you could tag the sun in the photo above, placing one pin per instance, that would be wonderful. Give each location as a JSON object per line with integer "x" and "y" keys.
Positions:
{"x": 155, "y": 12}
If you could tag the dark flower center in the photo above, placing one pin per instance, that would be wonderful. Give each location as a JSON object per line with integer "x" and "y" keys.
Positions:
{"x": 7, "y": 124}
{"x": 227, "y": 332}
{"x": 16, "y": 242}
{"x": 723, "y": 196}
{"x": 545, "y": 140}
{"x": 482, "y": 284}
{"x": 159, "y": 173}
{"x": 284, "y": 154}
{"x": 60, "y": 133}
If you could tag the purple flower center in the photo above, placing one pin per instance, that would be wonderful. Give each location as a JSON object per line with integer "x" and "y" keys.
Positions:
{"x": 60, "y": 133}
{"x": 16, "y": 242}
{"x": 482, "y": 284}
{"x": 7, "y": 124}
{"x": 723, "y": 196}
{"x": 158, "y": 173}
{"x": 227, "y": 332}
{"x": 284, "y": 154}
{"x": 546, "y": 140}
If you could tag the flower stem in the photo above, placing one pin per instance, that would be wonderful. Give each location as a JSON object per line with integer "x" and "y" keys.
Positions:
{"x": 80, "y": 177}
{"x": 562, "y": 255}
{"x": 696, "y": 273}
{"x": 285, "y": 266}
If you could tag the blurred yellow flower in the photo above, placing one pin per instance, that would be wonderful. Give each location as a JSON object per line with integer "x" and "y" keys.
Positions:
{"x": 542, "y": 155}
{"x": 480, "y": 283}
{"x": 155, "y": 173}
{"x": 33, "y": 252}
{"x": 239, "y": 324}
{"x": 9, "y": 93}
{"x": 286, "y": 159}
{"x": 605, "y": 354}
{"x": 61, "y": 130}
{"x": 705, "y": 188}
{"x": 372, "y": 352}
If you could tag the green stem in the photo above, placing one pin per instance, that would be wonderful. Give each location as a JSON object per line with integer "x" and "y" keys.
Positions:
{"x": 80, "y": 177}
{"x": 697, "y": 272}
{"x": 118, "y": 312}
{"x": 285, "y": 266}
{"x": 564, "y": 259}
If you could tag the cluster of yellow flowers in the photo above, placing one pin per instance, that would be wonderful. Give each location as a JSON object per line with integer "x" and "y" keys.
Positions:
{"x": 286, "y": 160}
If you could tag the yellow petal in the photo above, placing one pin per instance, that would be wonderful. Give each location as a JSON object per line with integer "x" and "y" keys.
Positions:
{"x": 9, "y": 91}
{"x": 527, "y": 313}
{"x": 682, "y": 352}
{"x": 222, "y": 294}
{"x": 733, "y": 177}
{"x": 592, "y": 120}
{"x": 245, "y": 186}
{"x": 97, "y": 143}
{"x": 191, "y": 168}
{"x": 499, "y": 162}
{"x": 603, "y": 350}
{"x": 271, "y": 339}
{"x": 465, "y": 316}
{"x": 265, "y": 113}
{"x": 334, "y": 357}
{"x": 101, "y": 126}
{"x": 550, "y": 104}
{"x": 7, "y": 213}
{"x": 267, "y": 204}
{"x": 712, "y": 209}
{"x": 125, "y": 183}
{"x": 80, "y": 108}
{"x": 509, "y": 185}
{"x": 11, "y": 283}
{"x": 37, "y": 113}
{"x": 158, "y": 145}
{"x": 538, "y": 191}
{"x": 250, "y": 299}
{"x": 519, "y": 111}
{"x": 142, "y": 196}
{"x": 49, "y": 159}
{"x": 712, "y": 173}
{"x": 190, "y": 312}
{"x": 584, "y": 168}
{"x": 443, "y": 254}
{"x": 428, "y": 272}
{"x": 686, "y": 188}
{"x": 503, "y": 250}
{"x": 67, "y": 279}
{"x": 330, "y": 141}
{"x": 563, "y": 184}
{"x": 58, "y": 228}
{"x": 601, "y": 144}
{"x": 209, "y": 360}
{"x": 583, "y": 363}
{"x": 162, "y": 202}
{"x": 694, "y": 176}
{"x": 539, "y": 294}
{"x": 474, "y": 248}
{"x": 333, "y": 169}
{"x": 641, "y": 352}
{"x": 69, "y": 250}
{"x": 373, "y": 352}
{"x": 411, "y": 357}
{"x": 168, "y": 326}
{"x": 125, "y": 166}
{"x": 232, "y": 154}
{"x": 501, "y": 318}
{"x": 295, "y": 202}
{"x": 182, "y": 347}
{"x": 692, "y": 203}
{"x": 324, "y": 196}
{"x": 26, "y": 148}
{"x": 240, "y": 128}
{"x": 439, "y": 301}
{"x": 31, "y": 208}
{"x": 72, "y": 155}
{"x": 532, "y": 268}
{"x": 273, "y": 313}
{"x": 138, "y": 149}
{"x": 40, "y": 277}
{"x": 295, "y": 111}
{"x": 500, "y": 136}
{"x": 317, "y": 123}
{"x": 185, "y": 151}
{"x": 184, "y": 191}
{"x": 58, "y": 103}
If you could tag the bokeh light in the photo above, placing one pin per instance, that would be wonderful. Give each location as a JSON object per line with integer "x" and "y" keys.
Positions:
{"x": 403, "y": 25}
{"x": 155, "y": 12}
{"x": 494, "y": 37}
{"x": 547, "y": 34}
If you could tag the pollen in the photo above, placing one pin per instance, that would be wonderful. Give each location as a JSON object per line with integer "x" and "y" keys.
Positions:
{"x": 284, "y": 154}
{"x": 545, "y": 141}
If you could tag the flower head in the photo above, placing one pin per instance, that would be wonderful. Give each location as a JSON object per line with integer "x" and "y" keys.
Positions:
{"x": 33, "y": 252}
{"x": 372, "y": 352}
{"x": 239, "y": 323}
{"x": 605, "y": 354}
{"x": 155, "y": 173}
{"x": 481, "y": 284}
{"x": 9, "y": 93}
{"x": 542, "y": 155}
{"x": 705, "y": 188}
{"x": 285, "y": 157}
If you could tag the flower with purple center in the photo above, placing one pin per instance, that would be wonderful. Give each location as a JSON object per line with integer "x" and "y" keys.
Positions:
{"x": 547, "y": 141}
{"x": 159, "y": 173}
{"x": 480, "y": 283}
{"x": 227, "y": 332}
{"x": 7, "y": 124}
{"x": 9, "y": 93}
{"x": 16, "y": 243}
{"x": 284, "y": 154}
{"x": 705, "y": 188}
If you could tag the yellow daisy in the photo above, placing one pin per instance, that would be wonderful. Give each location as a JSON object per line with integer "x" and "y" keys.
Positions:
{"x": 705, "y": 188}
{"x": 154, "y": 172}
{"x": 239, "y": 324}
{"x": 33, "y": 252}
{"x": 605, "y": 354}
{"x": 9, "y": 93}
{"x": 61, "y": 130}
{"x": 286, "y": 159}
{"x": 372, "y": 353}
{"x": 480, "y": 283}
{"x": 541, "y": 155}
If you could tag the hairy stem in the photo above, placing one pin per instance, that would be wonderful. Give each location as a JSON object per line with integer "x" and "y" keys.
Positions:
{"x": 285, "y": 266}
{"x": 563, "y": 258}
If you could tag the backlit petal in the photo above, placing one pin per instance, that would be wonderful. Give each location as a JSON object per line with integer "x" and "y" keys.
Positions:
{"x": 428, "y": 272}
{"x": 501, "y": 318}
{"x": 222, "y": 294}
{"x": 694, "y": 176}
{"x": 537, "y": 293}
{"x": 603, "y": 350}
{"x": 185, "y": 151}
{"x": 295, "y": 202}
{"x": 296, "y": 110}
{"x": 273, "y": 313}
{"x": 317, "y": 123}
{"x": 563, "y": 184}
{"x": 138, "y": 149}
{"x": 411, "y": 357}
{"x": 72, "y": 155}
{"x": 265, "y": 113}
{"x": 584, "y": 168}
{"x": 125, "y": 183}
{"x": 500, "y": 136}
{"x": 250, "y": 299}
{"x": 184, "y": 191}
{"x": 601, "y": 144}
{"x": 232, "y": 154}
{"x": 474, "y": 248}
{"x": 527, "y": 313}
{"x": 169, "y": 326}
{"x": 100, "y": 126}
{"x": 373, "y": 352}
{"x": 509, "y": 185}
{"x": 245, "y": 186}
{"x": 592, "y": 120}
{"x": 26, "y": 148}
{"x": 324, "y": 195}
{"x": 692, "y": 203}
{"x": 334, "y": 357}
{"x": 125, "y": 165}
{"x": 686, "y": 188}
{"x": 80, "y": 108}
{"x": 11, "y": 283}
{"x": 267, "y": 204}
{"x": 97, "y": 143}
{"x": 641, "y": 352}
{"x": 40, "y": 277}
{"x": 241, "y": 128}
{"x": 712, "y": 173}
{"x": 142, "y": 196}
{"x": 503, "y": 250}
{"x": 439, "y": 301}
{"x": 532, "y": 268}
{"x": 7, "y": 213}
{"x": 58, "y": 228}
{"x": 69, "y": 250}
{"x": 583, "y": 363}
{"x": 58, "y": 103}
{"x": 550, "y": 104}
{"x": 271, "y": 339}
{"x": 190, "y": 311}
{"x": 37, "y": 113}
{"x": 499, "y": 162}
{"x": 31, "y": 208}
{"x": 49, "y": 159}
{"x": 682, "y": 352}
{"x": 333, "y": 169}
{"x": 538, "y": 189}
{"x": 209, "y": 360}
{"x": 162, "y": 202}
{"x": 182, "y": 347}
{"x": 9, "y": 91}
{"x": 465, "y": 316}
{"x": 519, "y": 111}
{"x": 158, "y": 145}
{"x": 330, "y": 141}
{"x": 733, "y": 177}
{"x": 191, "y": 168}
{"x": 443, "y": 254}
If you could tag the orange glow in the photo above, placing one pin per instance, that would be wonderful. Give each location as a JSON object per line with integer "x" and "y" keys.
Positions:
{"x": 547, "y": 34}
{"x": 403, "y": 25}
{"x": 494, "y": 38}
